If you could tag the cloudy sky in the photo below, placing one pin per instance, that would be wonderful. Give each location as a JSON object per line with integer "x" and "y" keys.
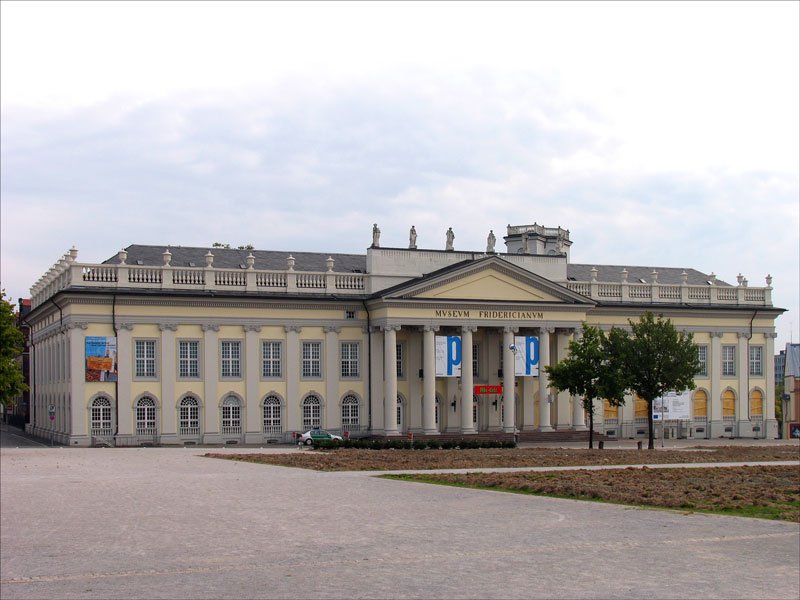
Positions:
{"x": 659, "y": 134}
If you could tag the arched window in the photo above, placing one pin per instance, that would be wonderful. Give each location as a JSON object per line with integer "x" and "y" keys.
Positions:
{"x": 189, "y": 417}
{"x": 231, "y": 416}
{"x": 610, "y": 412}
{"x": 101, "y": 417}
{"x": 272, "y": 415}
{"x": 728, "y": 405}
{"x": 311, "y": 412}
{"x": 145, "y": 416}
{"x": 640, "y": 410}
{"x": 399, "y": 412}
{"x": 350, "y": 414}
{"x": 700, "y": 405}
{"x": 756, "y": 405}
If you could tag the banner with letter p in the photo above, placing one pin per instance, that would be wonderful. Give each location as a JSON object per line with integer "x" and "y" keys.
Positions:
{"x": 526, "y": 357}
{"x": 448, "y": 356}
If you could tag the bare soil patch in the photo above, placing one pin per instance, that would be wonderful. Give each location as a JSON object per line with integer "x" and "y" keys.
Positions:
{"x": 349, "y": 459}
{"x": 771, "y": 492}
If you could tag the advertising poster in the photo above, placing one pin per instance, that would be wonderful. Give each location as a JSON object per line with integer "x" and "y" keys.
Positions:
{"x": 526, "y": 357}
{"x": 101, "y": 358}
{"x": 448, "y": 356}
{"x": 675, "y": 406}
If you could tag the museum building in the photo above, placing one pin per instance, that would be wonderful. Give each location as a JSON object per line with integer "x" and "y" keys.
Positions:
{"x": 182, "y": 345}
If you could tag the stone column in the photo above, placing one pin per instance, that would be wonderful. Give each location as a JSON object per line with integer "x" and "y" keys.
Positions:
{"x": 252, "y": 376}
{"x": 467, "y": 425}
{"x": 770, "y": 422}
{"x": 715, "y": 426}
{"x": 743, "y": 377}
{"x": 167, "y": 415}
{"x": 509, "y": 408}
{"x": 544, "y": 382}
{"x": 429, "y": 383}
{"x": 563, "y": 412}
{"x": 125, "y": 379}
{"x": 332, "y": 370}
{"x": 210, "y": 405}
{"x": 376, "y": 380}
{"x": 390, "y": 379}
{"x": 578, "y": 414}
{"x": 294, "y": 418}
{"x": 79, "y": 426}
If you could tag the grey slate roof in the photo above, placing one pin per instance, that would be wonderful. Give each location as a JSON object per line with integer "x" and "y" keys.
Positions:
{"x": 611, "y": 274}
{"x": 792, "y": 368}
{"x": 275, "y": 260}
{"x": 269, "y": 260}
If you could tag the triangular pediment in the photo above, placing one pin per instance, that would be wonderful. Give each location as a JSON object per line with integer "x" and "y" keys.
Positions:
{"x": 489, "y": 279}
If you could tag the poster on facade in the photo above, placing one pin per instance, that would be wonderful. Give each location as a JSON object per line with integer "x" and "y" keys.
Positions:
{"x": 101, "y": 358}
{"x": 526, "y": 356}
{"x": 673, "y": 406}
{"x": 448, "y": 356}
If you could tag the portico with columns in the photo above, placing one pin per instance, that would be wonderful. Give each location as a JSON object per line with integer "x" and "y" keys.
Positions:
{"x": 486, "y": 303}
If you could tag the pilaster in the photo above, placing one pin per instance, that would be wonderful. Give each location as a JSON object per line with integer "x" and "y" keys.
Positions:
{"x": 125, "y": 379}
{"x": 79, "y": 426}
{"x": 332, "y": 370}
{"x": 294, "y": 418}
{"x": 252, "y": 375}
{"x": 166, "y": 415}
{"x": 210, "y": 409}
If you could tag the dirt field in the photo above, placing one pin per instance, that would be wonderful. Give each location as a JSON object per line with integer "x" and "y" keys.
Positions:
{"x": 771, "y": 492}
{"x": 766, "y": 492}
{"x": 394, "y": 460}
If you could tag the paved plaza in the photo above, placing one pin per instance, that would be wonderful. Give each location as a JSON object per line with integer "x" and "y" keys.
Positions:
{"x": 169, "y": 523}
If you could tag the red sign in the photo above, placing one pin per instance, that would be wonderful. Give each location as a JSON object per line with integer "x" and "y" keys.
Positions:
{"x": 488, "y": 389}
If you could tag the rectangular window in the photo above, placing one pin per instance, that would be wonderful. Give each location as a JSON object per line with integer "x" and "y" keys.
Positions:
{"x": 756, "y": 367}
{"x": 188, "y": 358}
{"x": 231, "y": 355}
{"x": 400, "y": 369}
{"x": 349, "y": 359}
{"x": 475, "y": 361}
{"x": 271, "y": 359}
{"x": 145, "y": 358}
{"x": 312, "y": 359}
{"x": 702, "y": 358}
{"x": 729, "y": 361}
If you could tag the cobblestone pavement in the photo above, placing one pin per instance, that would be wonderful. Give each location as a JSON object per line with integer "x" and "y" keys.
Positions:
{"x": 169, "y": 523}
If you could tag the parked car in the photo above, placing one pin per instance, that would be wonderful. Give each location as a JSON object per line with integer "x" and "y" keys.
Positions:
{"x": 315, "y": 435}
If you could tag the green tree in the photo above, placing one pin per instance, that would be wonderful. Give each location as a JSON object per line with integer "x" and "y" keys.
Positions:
{"x": 11, "y": 345}
{"x": 592, "y": 370}
{"x": 657, "y": 359}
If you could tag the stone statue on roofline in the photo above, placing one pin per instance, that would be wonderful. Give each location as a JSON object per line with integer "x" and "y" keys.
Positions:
{"x": 450, "y": 237}
{"x": 490, "y": 242}
{"x": 412, "y": 239}
{"x": 376, "y": 236}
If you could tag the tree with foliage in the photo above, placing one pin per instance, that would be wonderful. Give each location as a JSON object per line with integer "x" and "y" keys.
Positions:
{"x": 657, "y": 359}
{"x": 592, "y": 370}
{"x": 12, "y": 343}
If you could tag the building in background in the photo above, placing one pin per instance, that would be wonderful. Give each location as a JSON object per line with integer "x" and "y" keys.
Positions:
{"x": 185, "y": 345}
{"x": 791, "y": 391}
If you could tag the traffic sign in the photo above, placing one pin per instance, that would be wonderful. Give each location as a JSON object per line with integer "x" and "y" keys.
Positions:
{"x": 51, "y": 410}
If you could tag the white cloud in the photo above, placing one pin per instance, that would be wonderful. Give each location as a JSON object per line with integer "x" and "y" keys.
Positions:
{"x": 659, "y": 133}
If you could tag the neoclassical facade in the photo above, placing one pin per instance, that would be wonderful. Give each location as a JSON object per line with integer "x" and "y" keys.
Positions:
{"x": 210, "y": 345}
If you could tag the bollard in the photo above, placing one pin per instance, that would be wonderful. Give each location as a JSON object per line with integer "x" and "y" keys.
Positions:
{"x": 600, "y": 444}
{"x": 639, "y": 445}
